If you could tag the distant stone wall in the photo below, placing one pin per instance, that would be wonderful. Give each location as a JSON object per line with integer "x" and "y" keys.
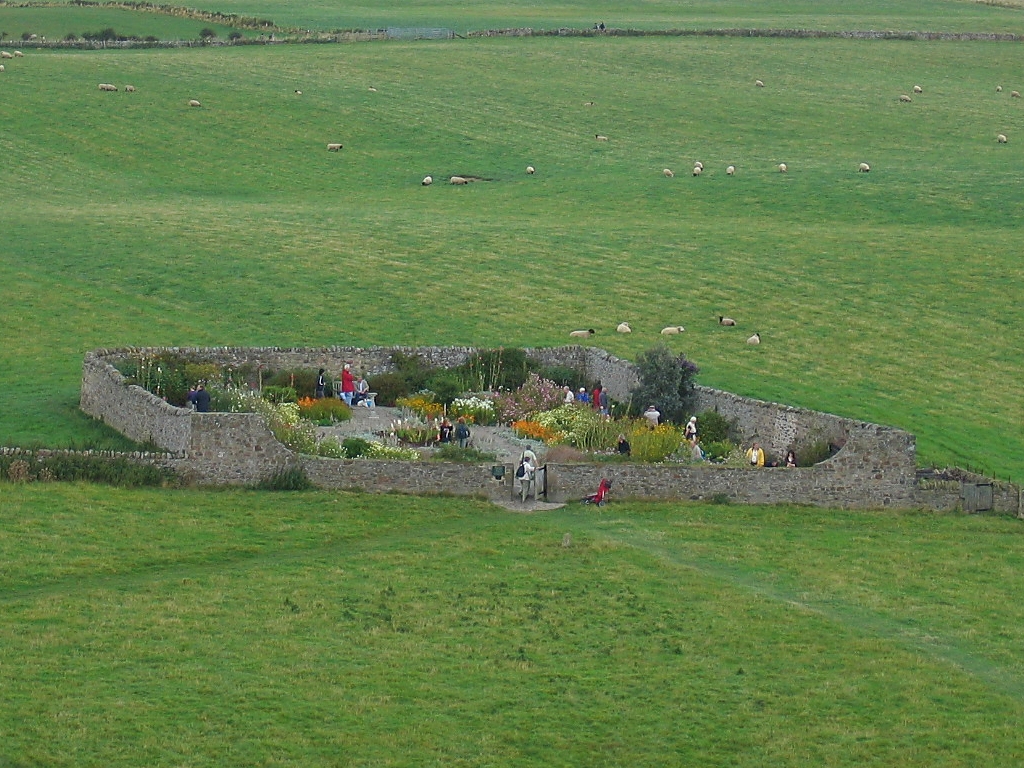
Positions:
{"x": 874, "y": 466}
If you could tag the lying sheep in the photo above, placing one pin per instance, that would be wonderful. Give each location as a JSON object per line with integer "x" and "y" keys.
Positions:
{"x": 372, "y": 89}
{"x": 918, "y": 89}
{"x": 588, "y": 103}
{"x": 1015, "y": 94}
{"x": 755, "y": 339}
{"x": 582, "y": 334}
{"x": 194, "y": 103}
{"x": 759, "y": 83}
{"x": 671, "y": 330}
{"x": 999, "y": 89}
{"x": 668, "y": 172}
{"x": 697, "y": 170}
{"x": 726, "y": 321}
{"x": 427, "y": 181}
{"x": 599, "y": 137}
{"x": 334, "y": 147}
{"x": 459, "y": 180}
{"x": 3, "y": 68}
{"x": 129, "y": 89}
{"x": 623, "y": 328}
{"x": 730, "y": 170}
{"x": 531, "y": 170}
{"x": 298, "y": 92}
{"x": 864, "y": 168}
{"x": 1001, "y": 138}
{"x": 783, "y": 168}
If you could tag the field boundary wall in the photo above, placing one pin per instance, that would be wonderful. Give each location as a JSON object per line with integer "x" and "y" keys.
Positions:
{"x": 874, "y": 466}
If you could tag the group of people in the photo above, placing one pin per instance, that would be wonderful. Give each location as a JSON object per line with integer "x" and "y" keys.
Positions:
{"x": 199, "y": 398}
{"x": 448, "y": 433}
{"x": 598, "y": 399}
{"x": 354, "y": 390}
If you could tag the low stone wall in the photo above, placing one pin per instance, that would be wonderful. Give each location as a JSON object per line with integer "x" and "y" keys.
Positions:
{"x": 874, "y": 466}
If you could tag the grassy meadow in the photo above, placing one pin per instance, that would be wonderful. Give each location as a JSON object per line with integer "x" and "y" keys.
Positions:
{"x": 890, "y": 296}
{"x": 239, "y": 628}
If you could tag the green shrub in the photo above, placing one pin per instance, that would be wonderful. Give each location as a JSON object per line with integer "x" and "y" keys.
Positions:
{"x": 116, "y": 471}
{"x": 583, "y": 427}
{"x": 717, "y": 450}
{"x": 446, "y": 386}
{"x": 279, "y": 394}
{"x": 302, "y": 380}
{"x": 654, "y": 445}
{"x": 565, "y": 376}
{"x": 492, "y": 369}
{"x": 713, "y": 427}
{"x": 666, "y": 381}
{"x": 413, "y": 369}
{"x": 354, "y": 447}
{"x": 452, "y": 452}
{"x": 389, "y": 387}
{"x": 814, "y": 453}
{"x": 327, "y": 410}
{"x": 291, "y": 479}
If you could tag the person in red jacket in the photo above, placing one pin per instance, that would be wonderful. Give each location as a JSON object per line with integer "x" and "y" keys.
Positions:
{"x": 348, "y": 384}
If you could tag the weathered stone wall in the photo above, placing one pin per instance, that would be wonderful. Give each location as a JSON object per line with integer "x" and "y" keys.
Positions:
{"x": 875, "y": 466}
{"x": 131, "y": 410}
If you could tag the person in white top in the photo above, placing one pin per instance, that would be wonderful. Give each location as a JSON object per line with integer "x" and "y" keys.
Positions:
{"x": 653, "y": 415}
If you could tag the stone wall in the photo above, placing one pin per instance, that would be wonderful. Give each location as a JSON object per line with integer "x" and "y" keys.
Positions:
{"x": 874, "y": 466}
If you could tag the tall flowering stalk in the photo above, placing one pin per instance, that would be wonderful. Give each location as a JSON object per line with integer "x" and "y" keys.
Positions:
{"x": 536, "y": 395}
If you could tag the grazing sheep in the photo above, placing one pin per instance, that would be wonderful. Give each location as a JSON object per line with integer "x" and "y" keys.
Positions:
{"x": 755, "y": 339}
{"x": 730, "y": 170}
{"x": 298, "y": 92}
{"x": 427, "y": 181}
{"x": 671, "y": 330}
{"x": 372, "y": 89}
{"x": 458, "y": 180}
{"x": 194, "y": 103}
{"x": 623, "y": 328}
{"x": 107, "y": 87}
{"x": 697, "y": 170}
{"x": 905, "y": 99}
{"x": 334, "y": 147}
{"x": 582, "y": 334}
{"x": 999, "y": 89}
{"x": 588, "y": 103}
{"x": 918, "y": 89}
{"x": 6, "y": 55}
{"x": 698, "y": 164}
{"x": 783, "y": 168}
{"x": 759, "y": 83}
{"x": 18, "y": 54}
{"x": 668, "y": 172}
{"x": 129, "y": 89}
{"x": 864, "y": 168}
{"x": 3, "y": 68}
{"x": 531, "y": 170}
{"x": 1015, "y": 94}
{"x": 599, "y": 137}
{"x": 726, "y": 321}
{"x": 1001, "y": 138}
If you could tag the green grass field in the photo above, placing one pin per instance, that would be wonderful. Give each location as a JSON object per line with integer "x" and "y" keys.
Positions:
{"x": 889, "y": 296}
{"x": 240, "y": 628}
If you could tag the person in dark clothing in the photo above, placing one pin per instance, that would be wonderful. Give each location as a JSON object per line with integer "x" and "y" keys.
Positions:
{"x": 321, "y": 384}
{"x": 623, "y": 446}
{"x": 202, "y": 399}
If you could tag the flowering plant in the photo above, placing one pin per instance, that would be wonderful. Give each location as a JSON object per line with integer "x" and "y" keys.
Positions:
{"x": 534, "y": 396}
{"x": 377, "y": 450}
{"x": 580, "y": 426}
{"x": 536, "y": 431}
{"x": 474, "y": 409}
{"x": 422, "y": 404}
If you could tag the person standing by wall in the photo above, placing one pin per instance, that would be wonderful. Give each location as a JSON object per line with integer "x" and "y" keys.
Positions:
{"x": 462, "y": 432}
{"x": 321, "y": 384}
{"x": 202, "y": 399}
{"x": 755, "y": 455}
{"x": 348, "y": 384}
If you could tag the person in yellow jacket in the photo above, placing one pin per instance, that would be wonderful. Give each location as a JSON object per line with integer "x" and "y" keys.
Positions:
{"x": 756, "y": 455}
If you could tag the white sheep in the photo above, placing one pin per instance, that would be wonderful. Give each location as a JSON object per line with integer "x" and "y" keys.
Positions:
{"x": 755, "y": 339}
{"x": 18, "y": 54}
{"x": 668, "y": 172}
{"x": 582, "y": 334}
{"x": 672, "y": 330}
{"x": 1001, "y": 138}
{"x": 599, "y": 137}
{"x": 783, "y": 168}
{"x": 107, "y": 87}
{"x": 588, "y": 103}
{"x": 298, "y": 92}
{"x": 6, "y": 55}
{"x": 999, "y": 89}
{"x": 697, "y": 170}
{"x": 905, "y": 99}
{"x": 698, "y": 164}
{"x": 918, "y": 89}
{"x": 129, "y": 89}
{"x": 458, "y": 180}
{"x": 427, "y": 181}
{"x": 372, "y": 89}
{"x": 623, "y": 328}
{"x": 194, "y": 103}
{"x": 864, "y": 168}
{"x": 1015, "y": 94}
{"x": 759, "y": 83}
{"x": 726, "y": 321}
{"x": 3, "y": 68}
{"x": 531, "y": 170}
{"x": 730, "y": 170}
{"x": 334, "y": 147}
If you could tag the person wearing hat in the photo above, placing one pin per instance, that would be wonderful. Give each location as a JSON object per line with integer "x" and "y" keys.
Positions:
{"x": 653, "y": 415}
{"x": 690, "y": 430}
{"x": 582, "y": 396}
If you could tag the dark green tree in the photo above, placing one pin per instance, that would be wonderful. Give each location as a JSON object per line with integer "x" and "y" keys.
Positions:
{"x": 667, "y": 382}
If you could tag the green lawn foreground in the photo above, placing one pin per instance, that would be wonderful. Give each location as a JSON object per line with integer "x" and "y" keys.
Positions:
{"x": 239, "y": 628}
